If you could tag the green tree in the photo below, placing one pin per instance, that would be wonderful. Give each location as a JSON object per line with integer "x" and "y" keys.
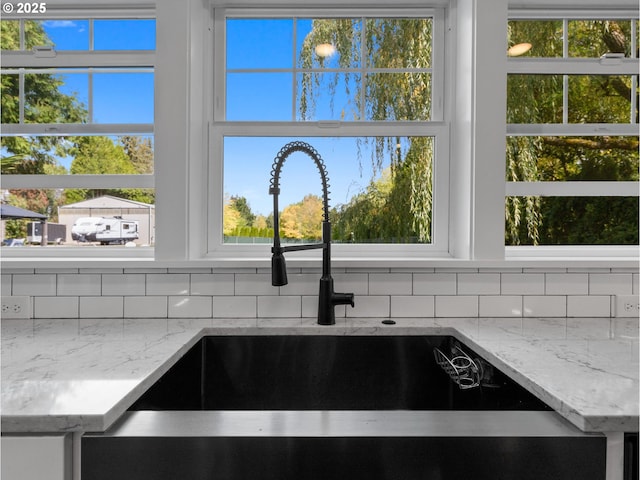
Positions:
{"x": 303, "y": 220}
{"x": 96, "y": 155}
{"x": 43, "y": 103}
{"x": 242, "y": 206}
{"x": 394, "y": 208}
{"x": 379, "y": 43}
{"x": 591, "y": 99}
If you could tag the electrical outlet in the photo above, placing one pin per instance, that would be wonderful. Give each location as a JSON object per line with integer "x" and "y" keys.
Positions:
{"x": 16, "y": 307}
{"x": 627, "y": 306}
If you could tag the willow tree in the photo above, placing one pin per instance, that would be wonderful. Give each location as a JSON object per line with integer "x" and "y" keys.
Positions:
{"x": 378, "y": 69}
{"x": 596, "y": 99}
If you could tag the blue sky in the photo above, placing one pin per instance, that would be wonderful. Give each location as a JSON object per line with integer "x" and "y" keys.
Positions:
{"x": 128, "y": 98}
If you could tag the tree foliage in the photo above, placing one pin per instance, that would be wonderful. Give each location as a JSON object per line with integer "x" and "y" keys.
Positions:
{"x": 590, "y": 99}
{"x": 399, "y": 204}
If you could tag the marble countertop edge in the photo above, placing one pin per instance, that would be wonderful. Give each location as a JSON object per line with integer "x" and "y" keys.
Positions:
{"x": 499, "y": 345}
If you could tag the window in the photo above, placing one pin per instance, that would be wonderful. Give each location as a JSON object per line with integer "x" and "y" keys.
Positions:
{"x": 77, "y": 119}
{"x": 366, "y": 92}
{"x": 572, "y": 144}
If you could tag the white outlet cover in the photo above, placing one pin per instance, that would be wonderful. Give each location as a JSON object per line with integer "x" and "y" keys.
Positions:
{"x": 16, "y": 307}
{"x": 627, "y": 306}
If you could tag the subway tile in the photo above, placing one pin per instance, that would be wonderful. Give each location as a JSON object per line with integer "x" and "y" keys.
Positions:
{"x": 566, "y": 284}
{"x": 167, "y": 284}
{"x": 390, "y": 284}
{"x": 589, "y": 306}
{"x": 212, "y": 283}
{"x": 113, "y": 271}
{"x": 610, "y": 284}
{"x": 254, "y": 284}
{"x": 280, "y": 306}
{"x": 145, "y": 307}
{"x": 190, "y": 270}
{"x": 434, "y": 284}
{"x": 544, "y": 270}
{"x": 234, "y": 307}
{"x": 127, "y": 284}
{"x": 101, "y": 307}
{"x": 370, "y": 306}
{"x": 356, "y": 283}
{"x": 146, "y": 270}
{"x": 55, "y": 307}
{"x": 301, "y": 284}
{"x": 310, "y": 307}
{"x": 588, "y": 270}
{"x": 69, "y": 271}
{"x": 189, "y": 306}
{"x": 478, "y": 284}
{"x": 80, "y": 285}
{"x": 456, "y": 306}
{"x": 545, "y": 306}
{"x": 17, "y": 271}
{"x": 35, "y": 285}
{"x": 6, "y": 285}
{"x": 500, "y": 306}
{"x": 522, "y": 284}
{"x": 456, "y": 270}
{"x": 412, "y": 306}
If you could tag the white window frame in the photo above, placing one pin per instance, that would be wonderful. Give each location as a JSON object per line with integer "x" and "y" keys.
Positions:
{"x": 438, "y": 128}
{"x": 121, "y": 61}
{"x": 574, "y": 66}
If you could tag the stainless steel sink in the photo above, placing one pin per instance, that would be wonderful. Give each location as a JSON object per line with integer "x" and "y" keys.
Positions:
{"x": 325, "y": 406}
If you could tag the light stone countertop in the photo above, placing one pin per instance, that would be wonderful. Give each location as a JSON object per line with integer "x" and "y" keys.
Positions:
{"x": 82, "y": 375}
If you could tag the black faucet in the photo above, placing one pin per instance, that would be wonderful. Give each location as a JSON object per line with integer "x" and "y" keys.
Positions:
{"x": 327, "y": 298}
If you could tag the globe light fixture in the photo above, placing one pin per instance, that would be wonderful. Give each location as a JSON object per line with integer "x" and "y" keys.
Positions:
{"x": 325, "y": 50}
{"x": 519, "y": 49}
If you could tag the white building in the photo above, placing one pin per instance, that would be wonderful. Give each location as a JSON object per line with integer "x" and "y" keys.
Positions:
{"x": 108, "y": 206}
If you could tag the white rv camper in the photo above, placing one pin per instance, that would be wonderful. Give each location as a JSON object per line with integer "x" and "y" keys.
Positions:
{"x": 104, "y": 230}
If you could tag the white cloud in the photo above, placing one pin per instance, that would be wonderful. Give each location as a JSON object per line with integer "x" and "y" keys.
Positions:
{"x": 59, "y": 23}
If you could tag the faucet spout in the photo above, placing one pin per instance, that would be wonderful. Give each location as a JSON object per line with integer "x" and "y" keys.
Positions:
{"x": 327, "y": 297}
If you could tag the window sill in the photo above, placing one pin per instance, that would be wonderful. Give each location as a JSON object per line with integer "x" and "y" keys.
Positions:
{"x": 517, "y": 259}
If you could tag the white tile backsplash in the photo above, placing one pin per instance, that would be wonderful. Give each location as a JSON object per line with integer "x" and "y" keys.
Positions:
{"x": 544, "y": 306}
{"x": 390, "y": 284}
{"x": 281, "y": 306}
{"x": 35, "y": 285}
{"x": 500, "y": 306}
{"x": 566, "y": 284}
{"x": 235, "y": 307}
{"x": 456, "y": 306}
{"x": 212, "y": 284}
{"x": 413, "y": 306}
{"x": 145, "y": 307}
{"x": 434, "y": 284}
{"x": 80, "y": 285}
{"x": 610, "y": 283}
{"x": 6, "y": 285}
{"x": 478, "y": 284}
{"x": 190, "y": 306}
{"x": 123, "y": 284}
{"x": 254, "y": 284}
{"x": 56, "y": 307}
{"x": 589, "y": 306}
{"x": 522, "y": 284}
{"x": 370, "y": 306}
{"x": 101, "y": 307}
{"x": 167, "y": 284}
{"x": 247, "y": 293}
